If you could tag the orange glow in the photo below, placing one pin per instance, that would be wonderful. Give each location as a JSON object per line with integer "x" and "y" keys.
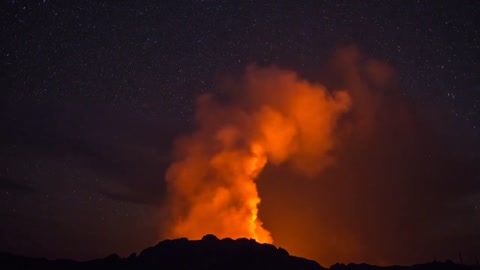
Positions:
{"x": 278, "y": 118}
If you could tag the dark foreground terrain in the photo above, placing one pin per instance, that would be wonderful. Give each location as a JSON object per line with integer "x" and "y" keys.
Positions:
{"x": 208, "y": 253}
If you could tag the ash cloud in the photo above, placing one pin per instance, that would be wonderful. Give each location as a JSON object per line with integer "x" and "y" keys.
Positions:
{"x": 273, "y": 117}
{"x": 388, "y": 183}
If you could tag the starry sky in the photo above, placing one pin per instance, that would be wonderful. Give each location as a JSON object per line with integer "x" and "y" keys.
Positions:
{"x": 94, "y": 93}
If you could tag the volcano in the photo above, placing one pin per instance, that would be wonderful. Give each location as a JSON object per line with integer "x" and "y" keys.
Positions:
{"x": 207, "y": 253}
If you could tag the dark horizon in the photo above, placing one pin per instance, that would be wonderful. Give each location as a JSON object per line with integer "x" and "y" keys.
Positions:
{"x": 95, "y": 97}
{"x": 211, "y": 252}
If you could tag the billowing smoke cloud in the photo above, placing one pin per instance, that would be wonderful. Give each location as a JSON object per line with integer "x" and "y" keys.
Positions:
{"x": 273, "y": 117}
{"x": 385, "y": 184}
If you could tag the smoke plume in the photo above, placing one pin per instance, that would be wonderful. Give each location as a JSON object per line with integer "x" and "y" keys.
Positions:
{"x": 270, "y": 116}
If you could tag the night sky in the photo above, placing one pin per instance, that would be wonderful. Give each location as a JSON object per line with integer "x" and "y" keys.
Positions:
{"x": 93, "y": 95}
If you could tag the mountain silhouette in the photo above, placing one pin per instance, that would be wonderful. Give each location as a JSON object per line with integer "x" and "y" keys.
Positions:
{"x": 208, "y": 253}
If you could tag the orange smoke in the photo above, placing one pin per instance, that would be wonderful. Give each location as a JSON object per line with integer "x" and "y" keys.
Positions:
{"x": 276, "y": 117}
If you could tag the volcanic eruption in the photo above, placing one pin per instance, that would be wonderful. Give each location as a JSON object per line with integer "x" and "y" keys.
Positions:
{"x": 270, "y": 116}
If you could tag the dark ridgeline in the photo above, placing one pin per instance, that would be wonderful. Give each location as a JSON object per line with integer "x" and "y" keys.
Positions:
{"x": 208, "y": 253}
{"x": 448, "y": 265}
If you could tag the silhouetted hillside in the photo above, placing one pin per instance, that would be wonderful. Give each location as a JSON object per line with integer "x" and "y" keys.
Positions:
{"x": 208, "y": 253}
